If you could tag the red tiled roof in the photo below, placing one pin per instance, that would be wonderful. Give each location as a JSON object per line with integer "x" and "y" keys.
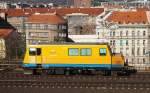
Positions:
{"x": 4, "y": 33}
{"x": 90, "y": 11}
{"x": 128, "y": 17}
{"x": 60, "y": 11}
{"x": 46, "y": 18}
{"x": 40, "y": 10}
{"x": 15, "y": 12}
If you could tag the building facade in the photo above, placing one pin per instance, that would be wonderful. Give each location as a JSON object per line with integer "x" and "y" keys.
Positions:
{"x": 45, "y": 28}
{"x": 128, "y": 33}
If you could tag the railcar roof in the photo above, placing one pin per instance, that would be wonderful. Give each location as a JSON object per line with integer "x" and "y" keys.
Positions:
{"x": 72, "y": 44}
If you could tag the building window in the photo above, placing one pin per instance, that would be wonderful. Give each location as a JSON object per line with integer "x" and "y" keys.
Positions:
{"x": 121, "y": 42}
{"x": 127, "y": 51}
{"x": 110, "y": 33}
{"x": 144, "y": 61}
{"x": 120, "y": 33}
{"x": 133, "y": 42}
{"x": 138, "y": 61}
{"x": 38, "y": 34}
{"x": 127, "y": 43}
{"x": 138, "y": 51}
{"x": 60, "y": 27}
{"x": 121, "y": 49}
{"x": 102, "y": 51}
{"x": 29, "y": 26}
{"x": 33, "y": 26}
{"x": 127, "y": 33}
{"x": 110, "y": 42}
{"x": 113, "y": 42}
{"x": 133, "y": 34}
{"x": 73, "y": 51}
{"x": 37, "y": 26}
{"x": 43, "y": 34}
{"x": 144, "y": 33}
{"x": 45, "y": 27}
{"x": 143, "y": 42}
{"x": 113, "y": 33}
{"x": 86, "y": 52}
{"x": 64, "y": 27}
{"x": 133, "y": 51}
{"x": 127, "y": 61}
{"x": 52, "y": 27}
{"x": 143, "y": 51}
{"x": 132, "y": 60}
{"x": 138, "y": 33}
{"x": 60, "y": 34}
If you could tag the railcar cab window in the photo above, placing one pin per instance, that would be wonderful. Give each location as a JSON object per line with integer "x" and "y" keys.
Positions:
{"x": 34, "y": 51}
{"x": 73, "y": 51}
{"x": 86, "y": 52}
{"x": 102, "y": 51}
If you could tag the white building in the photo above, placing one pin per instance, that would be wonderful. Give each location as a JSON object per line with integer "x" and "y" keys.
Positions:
{"x": 129, "y": 33}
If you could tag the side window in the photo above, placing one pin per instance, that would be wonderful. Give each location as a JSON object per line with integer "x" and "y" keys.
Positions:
{"x": 102, "y": 51}
{"x": 38, "y": 50}
{"x": 34, "y": 51}
{"x": 73, "y": 52}
{"x": 86, "y": 52}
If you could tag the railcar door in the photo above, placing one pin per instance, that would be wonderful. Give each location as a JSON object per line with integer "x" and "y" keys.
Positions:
{"x": 35, "y": 56}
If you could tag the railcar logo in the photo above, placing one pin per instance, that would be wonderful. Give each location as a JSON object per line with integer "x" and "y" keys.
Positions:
{"x": 53, "y": 52}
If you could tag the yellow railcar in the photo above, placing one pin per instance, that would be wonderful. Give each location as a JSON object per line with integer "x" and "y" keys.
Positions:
{"x": 75, "y": 55}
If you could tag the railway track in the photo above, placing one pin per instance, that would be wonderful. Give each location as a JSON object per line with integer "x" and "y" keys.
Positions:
{"x": 137, "y": 83}
{"x": 95, "y": 85}
{"x": 20, "y": 76}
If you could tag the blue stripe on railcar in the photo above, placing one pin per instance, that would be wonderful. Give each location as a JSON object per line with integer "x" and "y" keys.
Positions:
{"x": 74, "y": 65}
{"x": 30, "y": 65}
{"x": 77, "y": 65}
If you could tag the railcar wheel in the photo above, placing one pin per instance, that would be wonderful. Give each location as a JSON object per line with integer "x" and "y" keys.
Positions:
{"x": 67, "y": 72}
{"x": 37, "y": 71}
{"x": 123, "y": 73}
{"x": 107, "y": 72}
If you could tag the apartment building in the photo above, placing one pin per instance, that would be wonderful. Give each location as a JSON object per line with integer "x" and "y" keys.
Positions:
{"x": 45, "y": 28}
{"x": 128, "y": 33}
